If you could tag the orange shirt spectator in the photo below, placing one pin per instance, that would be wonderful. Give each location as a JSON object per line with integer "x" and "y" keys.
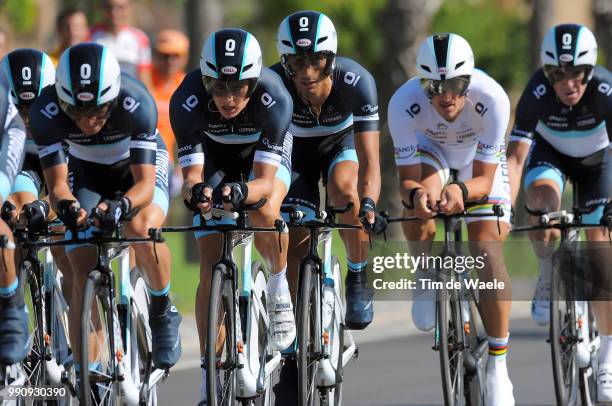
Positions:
{"x": 129, "y": 44}
{"x": 72, "y": 27}
{"x": 169, "y": 61}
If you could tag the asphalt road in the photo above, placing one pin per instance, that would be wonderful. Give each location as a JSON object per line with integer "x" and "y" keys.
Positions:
{"x": 396, "y": 369}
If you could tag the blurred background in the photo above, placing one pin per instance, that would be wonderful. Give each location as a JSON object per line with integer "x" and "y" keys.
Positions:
{"x": 159, "y": 40}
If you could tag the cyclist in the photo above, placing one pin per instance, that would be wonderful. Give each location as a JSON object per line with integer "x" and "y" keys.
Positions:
{"x": 453, "y": 116}
{"x": 336, "y": 134}
{"x": 563, "y": 122}
{"x": 230, "y": 119}
{"x": 28, "y": 72}
{"x": 119, "y": 165}
{"x": 13, "y": 313}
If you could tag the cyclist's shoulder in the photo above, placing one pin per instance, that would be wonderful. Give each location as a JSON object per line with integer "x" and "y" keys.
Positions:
{"x": 46, "y": 117}
{"x": 600, "y": 87}
{"x": 345, "y": 64}
{"x": 191, "y": 85}
{"x": 409, "y": 92}
{"x": 271, "y": 84}
{"x": 485, "y": 87}
{"x": 278, "y": 69}
{"x": 134, "y": 88}
{"x": 135, "y": 104}
{"x": 351, "y": 74}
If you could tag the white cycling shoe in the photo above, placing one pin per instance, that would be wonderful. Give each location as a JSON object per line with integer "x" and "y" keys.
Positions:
{"x": 424, "y": 303}
{"x": 604, "y": 384}
{"x": 540, "y": 305}
{"x": 281, "y": 331}
{"x": 499, "y": 389}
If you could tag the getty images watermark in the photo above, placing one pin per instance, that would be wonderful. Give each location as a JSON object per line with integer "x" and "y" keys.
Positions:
{"x": 406, "y": 263}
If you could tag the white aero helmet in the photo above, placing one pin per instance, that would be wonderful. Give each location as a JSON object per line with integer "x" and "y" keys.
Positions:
{"x": 88, "y": 75}
{"x": 445, "y": 62}
{"x": 231, "y": 55}
{"x": 28, "y": 72}
{"x": 565, "y": 46}
{"x": 307, "y": 33}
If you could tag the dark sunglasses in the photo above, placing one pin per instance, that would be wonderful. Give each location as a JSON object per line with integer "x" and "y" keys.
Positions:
{"x": 236, "y": 88}
{"x": 457, "y": 85}
{"x": 558, "y": 73}
{"x": 77, "y": 113}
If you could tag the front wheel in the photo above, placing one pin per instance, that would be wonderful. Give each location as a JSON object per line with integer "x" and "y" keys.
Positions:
{"x": 308, "y": 332}
{"x": 220, "y": 341}
{"x": 97, "y": 342}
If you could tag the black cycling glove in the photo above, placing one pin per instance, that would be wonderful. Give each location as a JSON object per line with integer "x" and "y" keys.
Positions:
{"x": 197, "y": 196}
{"x": 36, "y": 214}
{"x": 239, "y": 191}
{"x": 68, "y": 212}
{"x": 380, "y": 223}
{"x": 119, "y": 209}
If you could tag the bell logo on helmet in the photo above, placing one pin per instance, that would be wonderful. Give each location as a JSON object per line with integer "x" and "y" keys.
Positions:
{"x": 566, "y": 57}
{"x": 442, "y": 71}
{"x": 85, "y": 96}
{"x": 303, "y": 42}
{"x": 27, "y": 96}
{"x": 229, "y": 70}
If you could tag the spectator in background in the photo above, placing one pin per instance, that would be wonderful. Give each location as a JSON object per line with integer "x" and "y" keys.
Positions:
{"x": 5, "y": 42}
{"x": 129, "y": 44}
{"x": 72, "y": 27}
{"x": 169, "y": 60}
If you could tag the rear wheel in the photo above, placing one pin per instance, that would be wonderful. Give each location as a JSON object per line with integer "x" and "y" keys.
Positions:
{"x": 308, "y": 333}
{"x": 220, "y": 341}
{"x": 473, "y": 359}
{"x": 259, "y": 328}
{"x": 33, "y": 364}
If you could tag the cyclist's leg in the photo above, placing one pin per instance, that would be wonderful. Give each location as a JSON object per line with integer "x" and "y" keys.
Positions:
{"x": 280, "y": 309}
{"x": 544, "y": 181}
{"x": 486, "y": 241}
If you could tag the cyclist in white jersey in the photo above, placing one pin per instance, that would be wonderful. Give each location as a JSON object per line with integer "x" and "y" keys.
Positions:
{"x": 452, "y": 116}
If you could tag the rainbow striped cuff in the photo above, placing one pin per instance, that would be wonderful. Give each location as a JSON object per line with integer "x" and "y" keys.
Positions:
{"x": 497, "y": 350}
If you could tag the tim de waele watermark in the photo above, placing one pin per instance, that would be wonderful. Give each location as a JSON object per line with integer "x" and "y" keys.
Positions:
{"x": 410, "y": 263}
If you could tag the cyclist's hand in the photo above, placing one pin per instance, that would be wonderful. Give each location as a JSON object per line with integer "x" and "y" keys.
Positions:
{"x": 109, "y": 213}
{"x": 423, "y": 203}
{"x": 235, "y": 194}
{"x": 71, "y": 213}
{"x": 370, "y": 219}
{"x": 200, "y": 198}
{"x": 451, "y": 200}
{"x": 9, "y": 213}
{"x": 35, "y": 215}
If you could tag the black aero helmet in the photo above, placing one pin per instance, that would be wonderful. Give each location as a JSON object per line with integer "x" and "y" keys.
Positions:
{"x": 28, "y": 71}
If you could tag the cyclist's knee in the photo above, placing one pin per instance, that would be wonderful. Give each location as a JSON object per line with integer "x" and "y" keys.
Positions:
{"x": 543, "y": 195}
{"x": 265, "y": 216}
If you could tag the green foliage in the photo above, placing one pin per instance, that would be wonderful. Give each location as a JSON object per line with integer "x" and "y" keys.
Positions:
{"x": 359, "y": 37}
{"x": 498, "y": 38}
{"x": 22, "y": 14}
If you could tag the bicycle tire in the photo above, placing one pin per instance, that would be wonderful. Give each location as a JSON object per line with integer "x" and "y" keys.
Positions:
{"x": 33, "y": 297}
{"x": 221, "y": 321}
{"x": 474, "y": 380}
{"x": 450, "y": 347}
{"x": 308, "y": 332}
{"x": 259, "y": 288}
{"x": 140, "y": 329}
{"x": 562, "y": 334}
{"x": 336, "y": 394}
{"x": 95, "y": 314}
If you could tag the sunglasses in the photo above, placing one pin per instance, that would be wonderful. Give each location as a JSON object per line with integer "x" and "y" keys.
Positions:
{"x": 558, "y": 73}
{"x": 457, "y": 85}
{"x": 237, "y": 88}
{"x": 76, "y": 113}
{"x": 299, "y": 62}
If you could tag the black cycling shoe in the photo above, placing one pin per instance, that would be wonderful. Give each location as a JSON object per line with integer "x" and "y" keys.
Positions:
{"x": 13, "y": 330}
{"x": 359, "y": 306}
{"x": 164, "y": 321}
{"x": 286, "y": 390}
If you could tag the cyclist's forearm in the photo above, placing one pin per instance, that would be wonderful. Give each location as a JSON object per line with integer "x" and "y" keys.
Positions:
{"x": 367, "y": 148}
{"x": 406, "y": 186}
{"x": 517, "y": 155}
{"x": 141, "y": 194}
{"x": 369, "y": 181}
{"x": 478, "y": 187}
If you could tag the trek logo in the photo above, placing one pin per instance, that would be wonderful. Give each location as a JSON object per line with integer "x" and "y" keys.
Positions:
{"x": 303, "y": 42}
{"x": 229, "y": 70}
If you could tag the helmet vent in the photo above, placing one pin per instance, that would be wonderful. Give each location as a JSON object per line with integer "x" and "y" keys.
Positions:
{"x": 68, "y": 92}
{"x": 459, "y": 64}
{"x": 103, "y": 92}
{"x": 582, "y": 53}
{"x": 211, "y": 66}
{"x": 288, "y": 43}
{"x": 247, "y": 67}
{"x": 321, "y": 40}
{"x": 425, "y": 67}
{"x": 550, "y": 54}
